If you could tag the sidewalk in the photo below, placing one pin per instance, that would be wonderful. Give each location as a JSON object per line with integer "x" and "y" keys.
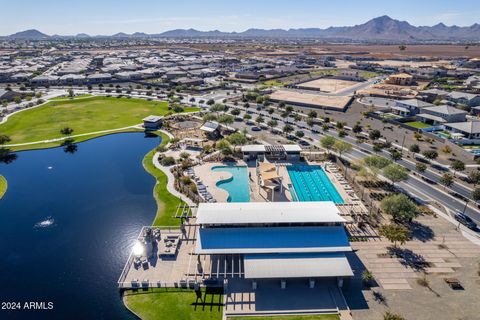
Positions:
{"x": 171, "y": 179}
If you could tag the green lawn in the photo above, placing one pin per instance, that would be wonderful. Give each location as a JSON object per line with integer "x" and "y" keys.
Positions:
{"x": 166, "y": 202}
{"x": 325, "y": 72}
{"x": 3, "y": 186}
{"x": 368, "y": 74}
{"x": 83, "y": 115}
{"x": 293, "y": 317}
{"x": 174, "y": 304}
{"x": 273, "y": 83}
{"x": 418, "y": 124}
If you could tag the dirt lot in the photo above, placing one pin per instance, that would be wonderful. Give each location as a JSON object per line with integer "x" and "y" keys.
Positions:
{"x": 389, "y": 51}
{"x": 311, "y": 99}
{"x": 328, "y": 85}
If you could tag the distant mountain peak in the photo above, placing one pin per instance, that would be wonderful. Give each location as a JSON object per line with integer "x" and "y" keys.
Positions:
{"x": 379, "y": 29}
{"x": 29, "y": 34}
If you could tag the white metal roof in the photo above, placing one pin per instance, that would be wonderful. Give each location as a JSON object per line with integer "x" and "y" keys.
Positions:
{"x": 268, "y": 212}
{"x": 292, "y": 148}
{"x": 152, "y": 118}
{"x": 209, "y": 126}
{"x": 296, "y": 265}
{"x": 253, "y": 148}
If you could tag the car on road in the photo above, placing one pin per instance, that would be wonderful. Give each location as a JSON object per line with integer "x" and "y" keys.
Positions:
{"x": 304, "y": 143}
{"x": 430, "y": 181}
{"x": 465, "y": 220}
{"x": 439, "y": 167}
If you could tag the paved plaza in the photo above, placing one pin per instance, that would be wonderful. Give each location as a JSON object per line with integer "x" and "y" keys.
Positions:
{"x": 437, "y": 251}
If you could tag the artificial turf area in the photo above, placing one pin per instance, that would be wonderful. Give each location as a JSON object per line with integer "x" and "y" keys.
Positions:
{"x": 417, "y": 124}
{"x": 3, "y": 186}
{"x": 83, "y": 115}
{"x": 166, "y": 202}
{"x": 175, "y": 304}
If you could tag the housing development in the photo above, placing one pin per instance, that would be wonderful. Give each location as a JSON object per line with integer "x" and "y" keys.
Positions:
{"x": 266, "y": 174}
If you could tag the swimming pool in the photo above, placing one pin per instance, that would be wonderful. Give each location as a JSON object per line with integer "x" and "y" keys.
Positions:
{"x": 311, "y": 183}
{"x": 236, "y": 185}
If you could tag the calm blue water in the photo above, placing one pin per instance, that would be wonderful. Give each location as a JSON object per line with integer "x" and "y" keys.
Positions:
{"x": 311, "y": 183}
{"x": 237, "y": 186}
{"x": 98, "y": 198}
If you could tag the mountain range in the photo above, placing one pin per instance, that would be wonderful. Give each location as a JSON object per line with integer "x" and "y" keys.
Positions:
{"x": 379, "y": 29}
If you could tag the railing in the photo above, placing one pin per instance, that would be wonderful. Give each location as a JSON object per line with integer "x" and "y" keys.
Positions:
{"x": 144, "y": 284}
{"x": 182, "y": 284}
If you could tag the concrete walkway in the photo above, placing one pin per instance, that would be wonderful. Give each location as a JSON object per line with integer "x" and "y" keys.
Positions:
{"x": 171, "y": 180}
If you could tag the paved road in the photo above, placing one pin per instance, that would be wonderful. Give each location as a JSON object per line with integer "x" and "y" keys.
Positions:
{"x": 416, "y": 186}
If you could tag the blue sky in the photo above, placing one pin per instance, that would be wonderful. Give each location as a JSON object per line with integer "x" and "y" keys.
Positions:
{"x": 155, "y": 16}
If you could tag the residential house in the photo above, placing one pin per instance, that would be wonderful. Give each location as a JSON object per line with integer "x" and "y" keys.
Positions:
{"x": 469, "y": 129}
{"x": 438, "y": 115}
{"x": 400, "y": 79}
{"x": 8, "y": 95}
{"x": 45, "y": 80}
{"x": 468, "y": 99}
{"x": 431, "y": 95}
{"x": 409, "y": 107}
{"x": 188, "y": 81}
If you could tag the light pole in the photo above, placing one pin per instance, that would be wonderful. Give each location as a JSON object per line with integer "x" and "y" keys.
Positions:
{"x": 466, "y": 205}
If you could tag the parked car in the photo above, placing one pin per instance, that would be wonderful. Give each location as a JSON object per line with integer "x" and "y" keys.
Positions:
{"x": 256, "y": 128}
{"x": 465, "y": 220}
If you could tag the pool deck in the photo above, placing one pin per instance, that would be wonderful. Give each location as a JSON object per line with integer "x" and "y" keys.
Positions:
{"x": 257, "y": 194}
{"x": 211, "y": 178}
{"x": 348, "y": 197}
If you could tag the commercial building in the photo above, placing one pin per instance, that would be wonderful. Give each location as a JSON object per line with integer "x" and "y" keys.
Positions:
{"x": 152, "y": 122}
{"x": 276, "y": 240}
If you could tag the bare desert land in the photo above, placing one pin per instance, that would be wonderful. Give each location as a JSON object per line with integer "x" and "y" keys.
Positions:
{"x": 327, "y": 84}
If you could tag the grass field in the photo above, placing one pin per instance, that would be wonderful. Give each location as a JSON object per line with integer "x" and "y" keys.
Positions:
{"x": 83, "y": 115}
{"x": 3, "y": 186}
{"x": 166, "y": 202}
{"x": 293, "y": 317}
{"x": 325, "y": 72}
{"x": 417, "y": 124}
{"x": 174, "y": 304}
{"x": 273, "y": 83}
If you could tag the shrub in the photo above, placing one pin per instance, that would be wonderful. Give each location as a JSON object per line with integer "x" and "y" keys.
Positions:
{"x": 167, "y": 161}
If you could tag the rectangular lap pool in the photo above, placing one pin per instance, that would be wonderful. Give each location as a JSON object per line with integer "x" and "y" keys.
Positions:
{"x": 311, "y": 183}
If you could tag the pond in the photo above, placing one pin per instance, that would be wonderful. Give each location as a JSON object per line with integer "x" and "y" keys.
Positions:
{"x": 68, "y": 222}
